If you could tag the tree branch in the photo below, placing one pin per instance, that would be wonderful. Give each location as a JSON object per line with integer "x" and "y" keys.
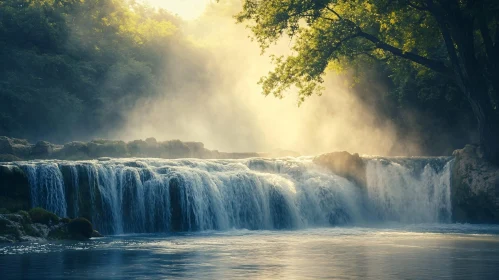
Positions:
{"x": 435, "y": 65}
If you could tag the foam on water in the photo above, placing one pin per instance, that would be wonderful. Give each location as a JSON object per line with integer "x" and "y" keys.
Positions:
{"x": 158, "y": 195}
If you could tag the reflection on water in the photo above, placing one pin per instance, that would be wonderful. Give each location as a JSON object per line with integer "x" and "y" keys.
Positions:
{"x": 415, "y": 252}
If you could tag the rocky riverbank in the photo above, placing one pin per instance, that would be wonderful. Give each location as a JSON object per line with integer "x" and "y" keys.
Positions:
{"x": 475, "y": 187}
{"x": 38, "y": 224}
{"x": 12, "y": 149}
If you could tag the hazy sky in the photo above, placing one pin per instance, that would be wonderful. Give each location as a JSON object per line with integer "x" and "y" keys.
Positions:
{"x": 187, "y": 9}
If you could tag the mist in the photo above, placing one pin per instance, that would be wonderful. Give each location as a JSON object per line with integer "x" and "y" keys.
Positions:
{"x": 193, "y": 77}
{"x": 222, "y": 105}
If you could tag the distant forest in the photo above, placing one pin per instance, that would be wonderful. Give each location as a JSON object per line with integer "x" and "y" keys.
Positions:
{"x": 71, "y": 70}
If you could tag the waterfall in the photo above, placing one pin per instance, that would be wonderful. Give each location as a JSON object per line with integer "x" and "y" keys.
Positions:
{"x": 47, "y": 187}
{"x": 159, "y": 195}
{"x": 409, "y": 191}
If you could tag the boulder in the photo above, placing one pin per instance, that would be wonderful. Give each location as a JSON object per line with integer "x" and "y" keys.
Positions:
{"x": 344, "y": 164}
{"x": 474, "y": 187}
{"x": 18, "y": 147}
{"x": 24, "y": 226}
{"x": 73, "y": 151}
{"x": 80, "y": 228}
{"x": 107, "y": 148}
{"x": 41, "y": 216}
{"x": 137, "y": 148}
{"x": 42, "y": 150}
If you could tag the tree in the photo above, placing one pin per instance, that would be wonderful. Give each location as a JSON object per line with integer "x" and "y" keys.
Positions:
{"x": 456, "y": 39}
{"x": 88, "y": 61}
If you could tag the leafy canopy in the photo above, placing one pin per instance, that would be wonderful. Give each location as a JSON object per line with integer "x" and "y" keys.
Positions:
{"x": 342, "y": 33}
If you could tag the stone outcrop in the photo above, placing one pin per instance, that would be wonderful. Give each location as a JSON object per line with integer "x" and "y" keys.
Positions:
{"x": 16, "y": 147}
{"x": 40, "y": 225}
{"x": 474, "y": 187}
{"x": 12, "y": 149}
{"x": 344, "y": 164}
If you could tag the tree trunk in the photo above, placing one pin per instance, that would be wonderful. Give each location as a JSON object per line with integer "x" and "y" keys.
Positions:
{"x": 486, "y": 117}
{"x": 489, "y": 139}
{"x": 457, "y": 29}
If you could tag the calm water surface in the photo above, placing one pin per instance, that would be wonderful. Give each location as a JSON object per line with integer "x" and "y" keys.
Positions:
{"x": 394, "y": 252}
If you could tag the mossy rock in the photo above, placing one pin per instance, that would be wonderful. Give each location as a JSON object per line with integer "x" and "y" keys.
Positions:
{"x": 26, "y": 216}
{"x": 42, "y": 216}
{"x": 4, "y": 211}
{"x": 65, "y": 220}
{"x": 10, "y": 226}
{"x": 80, "y": 228}
{"x": 59, "y": 233}
{"x": 31, "y": 231}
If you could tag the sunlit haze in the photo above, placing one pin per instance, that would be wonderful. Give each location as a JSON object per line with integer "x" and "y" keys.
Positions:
{"x": 186, "y": 9}
{"x": 249, "y": 139}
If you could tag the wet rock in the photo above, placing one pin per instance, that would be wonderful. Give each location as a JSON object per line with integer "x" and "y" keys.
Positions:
{"x": 80, "y": 228}
{"x": 42, "y": 216}
{"x": 344, "y": 164}
{"x": 13, "y": 146}
{"x": 107, "y": 148}
{"x": 140, "y": 148}
{"x": 14, "y": 188}
{"x": 73, "y": 151}
{"x": 42, "y": 150}
{"x": 9, "y": 158}
{"x": 12, "y": 149}
{"x": 17, "y": 227}
{"x": 21, "y": 227}
{"x": 474, "y": 187}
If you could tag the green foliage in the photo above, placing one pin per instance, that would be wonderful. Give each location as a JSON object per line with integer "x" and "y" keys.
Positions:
{"x": 42, "y": 216}
{"x": 70, "y": 64}
{"x": 341, "y": 34}
{"x": 65, "y": 220}
{"x": 80, "y": 227}
{"x": 4, "y": 211}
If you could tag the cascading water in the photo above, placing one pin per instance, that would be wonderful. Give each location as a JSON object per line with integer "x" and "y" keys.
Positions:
{"x": 409, "y": 190}
{"x": 156, "y": 195}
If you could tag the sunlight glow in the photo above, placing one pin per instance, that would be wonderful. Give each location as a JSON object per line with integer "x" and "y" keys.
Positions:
{"x": 186, "y": 9}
